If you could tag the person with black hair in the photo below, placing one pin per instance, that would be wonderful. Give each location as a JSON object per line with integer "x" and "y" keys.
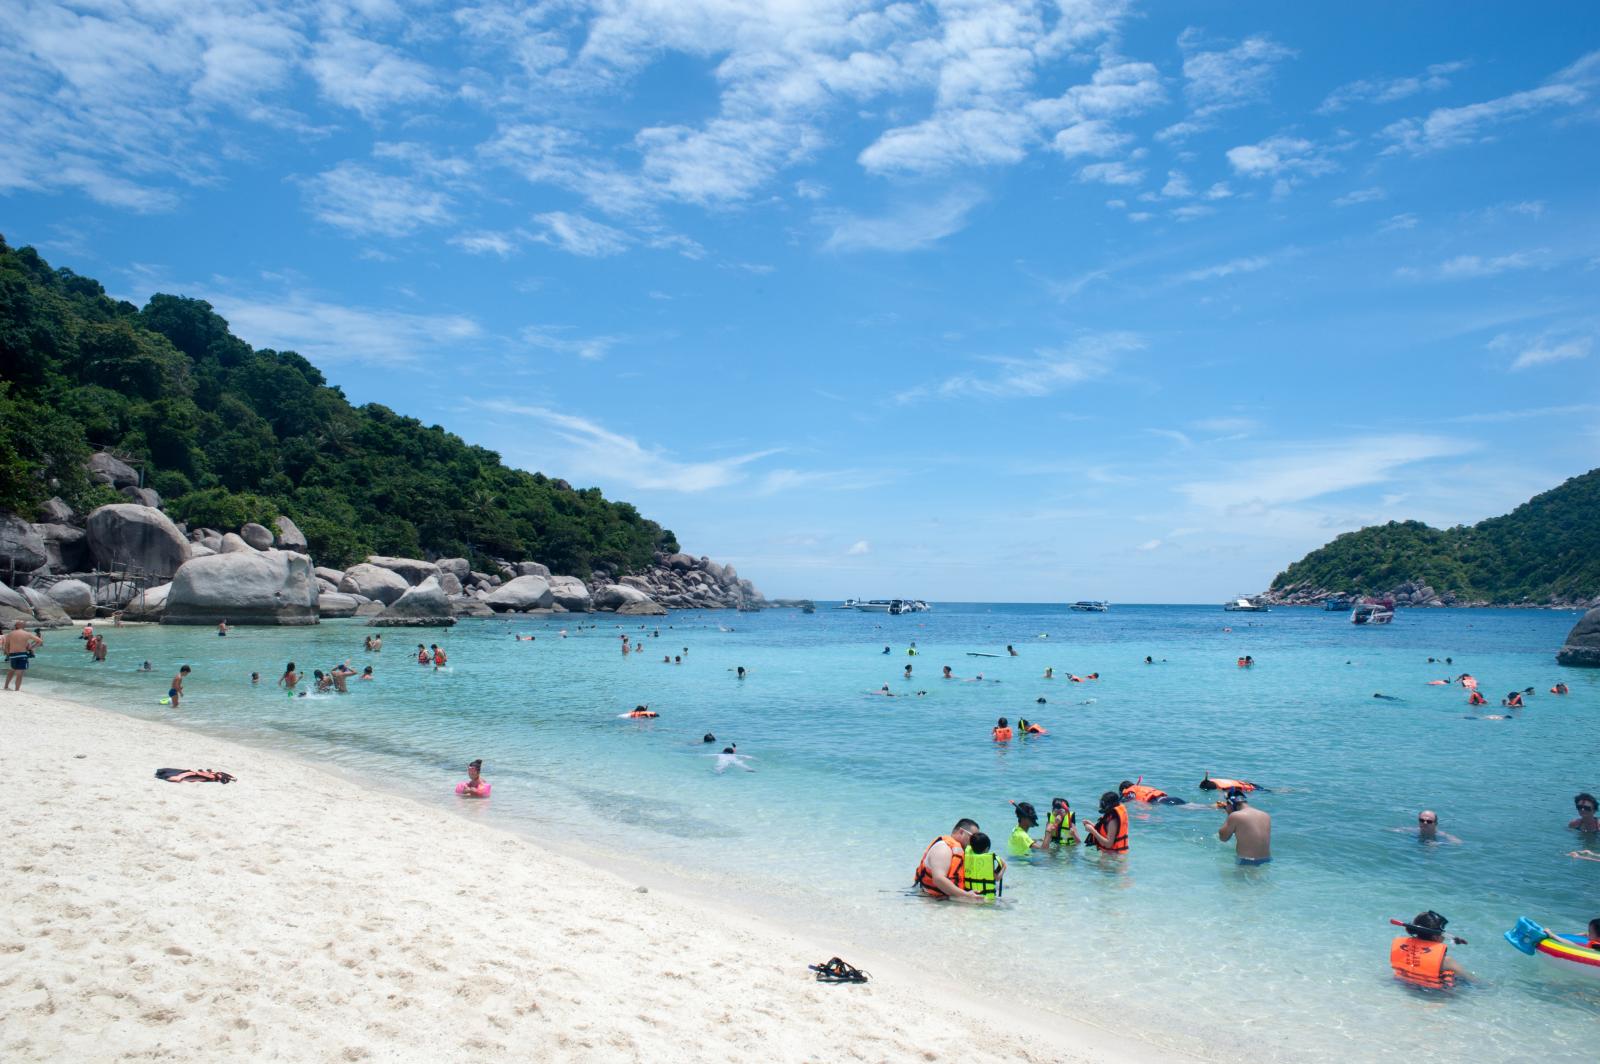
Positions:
{"x": 1586, "y": 820}
{"x": 1420, "y": 958}
{"x": 942, "y": 872}
{"x": 1109, "y": 834}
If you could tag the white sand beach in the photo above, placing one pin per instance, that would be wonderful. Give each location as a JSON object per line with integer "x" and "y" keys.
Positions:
{"x": 295, "y": 915}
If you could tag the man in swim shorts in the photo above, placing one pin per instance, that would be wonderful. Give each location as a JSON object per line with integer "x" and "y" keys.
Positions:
{"x": 1251, "y": 829}
{"x": 175, "y": 692}
{"x": 17, "y": 645}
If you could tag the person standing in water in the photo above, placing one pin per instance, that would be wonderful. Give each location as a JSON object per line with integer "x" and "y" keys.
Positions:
{"x": 1251, "y": 829}
{"x": 942, "y": 871}
{"x": 175, "y": 692}
{"x": 289, "y": 678}
{"x": 1021, "y": 842}
{"x": 1586, "y": 820}
{"x": 222, "y": 628}
{"x": 475, "y": 785}
{"x": 18, "y": 645}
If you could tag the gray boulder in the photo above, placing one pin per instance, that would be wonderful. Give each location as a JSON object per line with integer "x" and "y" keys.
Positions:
{"x": 533, "y": 569}
{"x": 681, "y": 562}
{"x": 571, "y": 594}
{"x": 462, "y": 606}
{"x": 200, "y": 550}
{"x": 265, "y": 587}
{"x": 289, "y": 535}
{"x": 147, "y": 605}
{"x": 124, "y": 536}
{"x": 325, "y": 587}
{"x": 523, "y": 593}
{"x": 142, "y": 496}
{"x": 375, "y": 582}
{"x": 1582, "y": 648}
{"x": 114, "y": 471}
{"x": 56, "y": 512}
{"x": 412, "y": 570}
{"x": 258, "y": 536}
{"x": 647, "y": 608}
{"x": 457, "y": 567}
{"x": 423, "y": 606}
{"x": 450, "y": 583}
{"x": 46, "y": 611}
{"x": 114, "y": 596}
{"x": 73, "y": 596}
{"x": 13, "y": 607}
{"x": 370, "y": 609}
{"x": 616, "y": 596}
{"x": 66, "y": 547}
{"x": 22, "y": 549}
{"x": 335, "y": 604}
{"x": 232, "y": 543}
{"x": 332, "y": 576}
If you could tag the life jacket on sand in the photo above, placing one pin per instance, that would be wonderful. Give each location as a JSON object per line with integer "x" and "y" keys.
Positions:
{"x": 1475, "y": 699}
{"x": 957, "y": 873}
{"x": 1420, "y": 963}
{"x": 1114, "y": 826}
{"x": 1139, "y": 792}
{"x": 1002, "y": 735}
{"x": 982, "y": 872}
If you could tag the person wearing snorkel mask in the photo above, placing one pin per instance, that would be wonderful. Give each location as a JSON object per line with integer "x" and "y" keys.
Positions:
{"x": 1251, "y": 829}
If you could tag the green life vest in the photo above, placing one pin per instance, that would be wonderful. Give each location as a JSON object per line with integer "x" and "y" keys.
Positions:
{"x": 1059, "y": 829}
{"x": 1021, "y": 842}
{"x": 983, "y": 873}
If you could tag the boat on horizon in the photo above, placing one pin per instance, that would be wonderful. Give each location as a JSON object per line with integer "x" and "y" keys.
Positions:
{"x": 1244, "y": 605}
{"x": 1336, "y": 604}
{"x": 1091, "y": 606}
{"x": 890, "y": 606}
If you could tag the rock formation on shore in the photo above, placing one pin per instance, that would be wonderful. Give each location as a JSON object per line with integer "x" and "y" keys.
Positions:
{"x": 1582, "y": 648}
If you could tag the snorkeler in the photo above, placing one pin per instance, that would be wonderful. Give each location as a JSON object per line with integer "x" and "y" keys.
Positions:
{"x": 1221, "y": 783}
{"x": 1061, "y": 829}
{"x": 1002, "y": 731}
{"x": 1109, "y": 834}
{"x": 1020, "y": 841}
{"x": 1420, "y": 959}
{"x": 730, "y": 755}
{"x": 1132, "y": 791}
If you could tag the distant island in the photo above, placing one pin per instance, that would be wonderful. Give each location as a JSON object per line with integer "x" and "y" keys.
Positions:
{"x": 1546, "y": 552}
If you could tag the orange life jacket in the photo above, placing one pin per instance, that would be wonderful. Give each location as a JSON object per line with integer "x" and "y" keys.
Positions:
{"x": 1515, "y": 702}
{"x": 438, "y": 657}
{"x": 958, "y": 866}
{"x": 1034, "y": 729}
{"x": 1002, "y": 735}
{"x": 1141, "y": 793}
{"x": 1475, "y": 699}
{"x": 643, "y": 714}
{"x": 1559, "y": 689}
{"x": 1420, "y": 963}
{"x": 1118, "y": 834}
{"x": 422, "y": 657}
{"x": 1225, "y": 784}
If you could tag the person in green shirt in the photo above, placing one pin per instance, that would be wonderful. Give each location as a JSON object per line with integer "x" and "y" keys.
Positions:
{"x": 1021, "y": 842}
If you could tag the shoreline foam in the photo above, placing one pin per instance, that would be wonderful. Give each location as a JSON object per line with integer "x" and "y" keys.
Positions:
{"x": 300, "y": 914}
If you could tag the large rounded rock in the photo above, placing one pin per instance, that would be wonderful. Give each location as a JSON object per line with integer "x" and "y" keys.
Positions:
{"x": 571, "y": 594}
{"x": 523, "y": 593}
{"x": 413, "y": 570}
{"x": 374, "y": 582}
{"x": 22, "y": 550}
{"x": 232, "y": 543}
{"x": 258, "y": 536}
{"x": 332, "y": 576}
{"x": 647, "y": 608}
{"x": 1582, "y": 648}
{"x": 148, "y": 605}
{"x": 460, "y": 568}
{"x": 66, "y": 547}
{"x": 126, "y": 536}
{"x": 616, "y": 596}
{"x": 266, "y": 587}
{"x": 451, "y": 585}
{"x": 336, "y": 604}
{"x": 110, "y": 470}
{"x": 13, "y": 607}
{"x": 423, "y": 606}
{"x": 462, "y": 606}
{"x": 289, "y": 535}
{"x": 46, "y": 611}
{"x": 73, "y": 596}
{"x": 533, "y": 569}
{"x": 142, "y": 496}
{"x": 681, "y": 562}
{"x": 56, "y": 512}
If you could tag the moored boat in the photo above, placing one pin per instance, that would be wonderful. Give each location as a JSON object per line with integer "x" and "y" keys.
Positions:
{"x": 1091, "y": 606}
{"x": 1244, "y": 605}
{"x": 1373, "y": 611}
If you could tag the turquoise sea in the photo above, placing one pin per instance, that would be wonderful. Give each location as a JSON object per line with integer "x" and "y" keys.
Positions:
{"x": 1288, "y": 962}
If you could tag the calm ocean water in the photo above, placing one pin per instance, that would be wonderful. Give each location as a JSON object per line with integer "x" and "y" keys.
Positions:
{"x": 1286, "y": 962}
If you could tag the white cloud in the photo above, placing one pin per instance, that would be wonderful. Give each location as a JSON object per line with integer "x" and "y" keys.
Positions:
{"x": 1470, "y": 267}
{"x": 859, "y": 547}
{"x": 1192, "y": 211}
{"x": 1360, "y": 195}
{"x": 906, "y": 229}
{"x": 1278, "y": 155}
{"x": 598, "y": 452}
{"x": 484, "y": 243}
{"x": 1149, "y": 545}
{"x": 1177, "y": 185}
{"x": 1049, "y": 370}
{"x": 1387, "y": 90}
{"x": 1449, "y": 127}
{"x": 811, "y": 190}
{"x": 329, "y": 333}
{"x": 557, "y": 338}
{"x": 1221, "y": 79}
{"x": 366, "y": 202}
{"x": 579, "y": 235}
{"x": 1310, "y": 471}
{"x": 1094, "y": 138}
{"x": 1227, "y": 425}
{"x": 1545, "y": 352}
{"x": 366, "y": 76}
{"x": 1249, "y": 264}
{"x": 1116, "y": 173}
{"x": 1399, "y": 222}
{"x": 1180, "y": 438}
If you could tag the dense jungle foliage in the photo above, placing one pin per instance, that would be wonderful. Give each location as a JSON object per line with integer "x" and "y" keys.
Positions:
{"x": 228, "y": 433}
{"x": 1547, "y": 549}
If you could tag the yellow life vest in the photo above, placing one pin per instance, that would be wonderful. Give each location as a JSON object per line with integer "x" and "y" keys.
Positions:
{"x": 1059, "y": 828}
{"x": 983, "y": 873}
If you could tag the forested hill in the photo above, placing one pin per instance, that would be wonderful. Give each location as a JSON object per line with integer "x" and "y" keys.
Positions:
{"x": 1546, "y": 551}
{"x": 229, "y": 433}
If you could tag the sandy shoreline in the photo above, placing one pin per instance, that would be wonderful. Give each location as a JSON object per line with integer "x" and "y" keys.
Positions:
{"x": 298, "y": 915}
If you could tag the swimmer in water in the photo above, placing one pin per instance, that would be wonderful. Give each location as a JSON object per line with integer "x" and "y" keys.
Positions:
{"x": 1388, "y": 698}
{"x": 1050, "y": 673}
{"x": 255, "y": 677}
{"x": 884, "y": 691}
{"x": 1011, "y": 650}
{"x": 475, "y": 786}
{"x": 708, "y": 738}
{"x": 731, "y": 756}
{"x": 908, "y": 671}
{"x": 740, "y": 671}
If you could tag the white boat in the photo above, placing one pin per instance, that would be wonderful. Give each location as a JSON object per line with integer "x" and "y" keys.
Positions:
{"x": 1091, "y": 606}
{"x": 1244, "y": 605}
{"x": 1373, "y": 611}
{"x": 875, "y": 605}
{"x": 847, "y": 604}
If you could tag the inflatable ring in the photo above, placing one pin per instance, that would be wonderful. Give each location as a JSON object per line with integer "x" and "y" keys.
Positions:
{"x": 1569, "y": 953}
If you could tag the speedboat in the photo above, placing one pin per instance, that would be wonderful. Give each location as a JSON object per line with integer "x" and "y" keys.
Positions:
{"x": 1373, "y": 611}
{"x": 1091, "y": 606}
{"x": 847, "y": 604}
{"x": 1244, "y": 605}
{"x": 876, "y": 605}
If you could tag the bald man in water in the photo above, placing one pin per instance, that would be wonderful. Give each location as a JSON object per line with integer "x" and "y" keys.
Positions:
{"x": 1251, "y": 829}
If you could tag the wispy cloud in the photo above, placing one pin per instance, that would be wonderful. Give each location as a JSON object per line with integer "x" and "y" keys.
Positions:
{"x": 559, "y": 338}
{"x": 1276, "y": 156}
{"x": 333, "y": 333}
{"x": 1249, "y": 264}
{"x": 485, "y": 243}
{"x": 367, "y": 76}
{"x": 1388, "y": 90}
{"x": 579, "y": 235}
{"x": 601, "y": 453}
{"x": 1114, "y": 173}
{"x": 859, "y": 547}
{"x": 1220, "y": 79}
{"x": 1470, "y": 267}
{"x": 913, "y": 226}
{"x": 367, "y": 202}
{"x": 1046, "y": 372}
{"x": 1449, "y": 127}
{"x": 1360, "y": 195}
{"x": 1228, "y": 425}
{"x": 1180, "y": 438}
{"x": 1545, "y": 351}
{"x": 1309, "y": 471}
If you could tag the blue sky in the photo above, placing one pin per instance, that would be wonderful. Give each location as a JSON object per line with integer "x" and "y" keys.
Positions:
{"x": 975, "y": 301}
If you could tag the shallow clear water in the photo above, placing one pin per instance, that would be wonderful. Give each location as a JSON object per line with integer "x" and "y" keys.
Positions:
{"x": 1286, "y": 962}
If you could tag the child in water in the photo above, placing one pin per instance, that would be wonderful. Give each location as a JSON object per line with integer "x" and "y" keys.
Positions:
{"x": 985, "y": 871}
